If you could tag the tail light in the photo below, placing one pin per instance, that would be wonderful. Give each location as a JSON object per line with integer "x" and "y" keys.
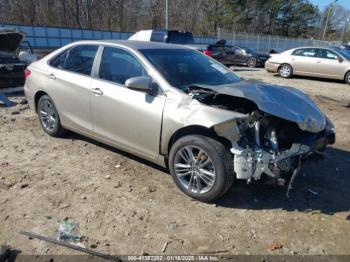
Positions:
{"x": 208, "y": 53}
{"x": 27, "y": 72}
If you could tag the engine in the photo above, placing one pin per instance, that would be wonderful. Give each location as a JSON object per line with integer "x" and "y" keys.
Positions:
{"x": 266, "y": 147}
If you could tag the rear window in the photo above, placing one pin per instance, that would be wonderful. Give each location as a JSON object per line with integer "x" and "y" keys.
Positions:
{"x": 308, "y": 52}
{"x": 180, "y": 37}
{"x": 78, "y": 59}
{"x": 158, "y": 36}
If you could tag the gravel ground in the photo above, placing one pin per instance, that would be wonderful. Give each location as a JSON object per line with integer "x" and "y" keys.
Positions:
{"x": 125, "y": 205}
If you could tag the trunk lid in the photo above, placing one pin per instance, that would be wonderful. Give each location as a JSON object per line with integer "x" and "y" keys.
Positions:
{"x": 10, "y": 40}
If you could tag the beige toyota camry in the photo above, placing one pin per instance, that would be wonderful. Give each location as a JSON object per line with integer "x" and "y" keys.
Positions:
{"x": 324, "y": 62}
{"x": 180, "y": 109}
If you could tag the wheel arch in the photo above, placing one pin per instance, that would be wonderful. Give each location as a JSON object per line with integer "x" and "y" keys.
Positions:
{"x": 347, "y": 72}
{"x": 195, "y": 130}
{"x": 283, "y": 65}
{"x": 37, "y": 97}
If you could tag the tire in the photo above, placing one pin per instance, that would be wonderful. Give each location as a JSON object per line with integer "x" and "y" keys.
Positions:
{"x": 347, "y": 78}
{"x": 219, "y": 163}
{"x": 252, "y": 62}
{"x": 49, "y": 118}
{"x": 285, "y": 71}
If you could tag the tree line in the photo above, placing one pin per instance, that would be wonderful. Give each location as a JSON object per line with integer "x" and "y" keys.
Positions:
{"x": 290, "y": 18}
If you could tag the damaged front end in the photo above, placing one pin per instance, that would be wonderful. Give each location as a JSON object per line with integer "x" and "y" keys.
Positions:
{"x": 266, "y": 145}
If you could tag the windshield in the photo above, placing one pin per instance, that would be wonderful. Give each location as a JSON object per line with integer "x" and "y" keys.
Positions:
{"x": 183, "y": 68}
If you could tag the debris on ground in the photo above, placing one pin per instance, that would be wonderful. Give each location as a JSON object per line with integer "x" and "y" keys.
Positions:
{"x": 165, "y": 246}
{"x": 5, "y": 100}
{"x": 276, "y": 246}
{"x": 295, "y": 173}
{"x": 68, "y": 231}
{"x": 71, "y": 246}
{"x": 5, "y": 164}
{"x": 23, "y": 101}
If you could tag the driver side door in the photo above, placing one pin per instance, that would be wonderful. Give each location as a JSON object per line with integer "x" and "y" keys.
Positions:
{"x": 127, "y": 118}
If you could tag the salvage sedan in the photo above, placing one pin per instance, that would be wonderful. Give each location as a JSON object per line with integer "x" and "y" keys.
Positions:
{"x": 178, "y": 108}
{"x": 12, "y": 61}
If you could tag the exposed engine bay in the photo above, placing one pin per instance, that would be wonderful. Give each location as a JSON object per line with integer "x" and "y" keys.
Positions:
{"x": 267, "y": 146}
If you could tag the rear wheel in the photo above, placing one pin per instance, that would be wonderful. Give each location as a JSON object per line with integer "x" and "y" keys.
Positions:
{"x": 251, "y": 62}
{"x": 49, "y": 118}
{"x": 285, "y": 71}
{"x": 201, "y": 167}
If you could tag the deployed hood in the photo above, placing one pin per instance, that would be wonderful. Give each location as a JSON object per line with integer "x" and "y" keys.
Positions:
{"x": 10, "y": 41}
{"x": 284, "y": 102}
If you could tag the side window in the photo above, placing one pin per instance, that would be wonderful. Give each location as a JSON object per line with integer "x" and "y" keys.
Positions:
{"x": 78, "y": 59}
{"x": 216, "y": 49}
{"x": 327, "y": 54}
{"x": 308, "y": 52}
{"x": 237, "y": 50}
{"x": 59, "y": 60}
{"x": 118, "y": 65}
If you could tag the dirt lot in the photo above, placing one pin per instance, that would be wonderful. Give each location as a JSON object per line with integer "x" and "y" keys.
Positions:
{"x": 128, "y": 206}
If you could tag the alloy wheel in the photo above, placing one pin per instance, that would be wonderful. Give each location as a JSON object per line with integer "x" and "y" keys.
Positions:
{"x": 194, "y": 169}
{"x": 48, "y": 116}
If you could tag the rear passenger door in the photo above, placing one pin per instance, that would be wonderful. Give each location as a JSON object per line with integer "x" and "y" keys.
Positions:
{"x": 304, "y": 61}
{"x": 68, "y": 82}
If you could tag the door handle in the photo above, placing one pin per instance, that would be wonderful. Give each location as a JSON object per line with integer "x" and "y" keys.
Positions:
{"x": 52, "y": 76}
{"x": 97, "y": 91}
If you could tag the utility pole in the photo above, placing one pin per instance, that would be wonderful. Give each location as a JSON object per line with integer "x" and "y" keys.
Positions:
{"x": 166, "y": 15}
{"x": 325, "y": 26}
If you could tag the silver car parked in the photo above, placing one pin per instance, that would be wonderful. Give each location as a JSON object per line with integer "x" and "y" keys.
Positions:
{"x": 178, "y": 108}
{"x": 324, "y": 62}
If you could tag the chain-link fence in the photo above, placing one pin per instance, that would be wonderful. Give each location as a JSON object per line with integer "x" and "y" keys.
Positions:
{"x": 51, "y": 37}
{"x": 265, "y": 43}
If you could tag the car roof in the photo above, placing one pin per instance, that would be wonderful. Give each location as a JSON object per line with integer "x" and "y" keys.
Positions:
{"x": 319, "y": 47}
{"x": 134, "y": 44}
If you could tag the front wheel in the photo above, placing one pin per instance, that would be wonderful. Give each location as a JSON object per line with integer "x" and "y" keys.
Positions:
{"x": 201, "y": 167}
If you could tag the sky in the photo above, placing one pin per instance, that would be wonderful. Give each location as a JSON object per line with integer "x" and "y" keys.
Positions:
{"x": 323, "y": 3}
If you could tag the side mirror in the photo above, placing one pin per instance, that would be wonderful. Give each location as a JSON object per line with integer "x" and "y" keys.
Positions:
{"x": 139, "y": 83}
{"x": 238, "y": 52}
{"x": 340, "y": 59}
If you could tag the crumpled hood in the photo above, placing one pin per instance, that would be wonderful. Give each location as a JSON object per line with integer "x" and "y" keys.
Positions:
{"x": 284, "y": 102}
{"x": 10, "y": 41}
